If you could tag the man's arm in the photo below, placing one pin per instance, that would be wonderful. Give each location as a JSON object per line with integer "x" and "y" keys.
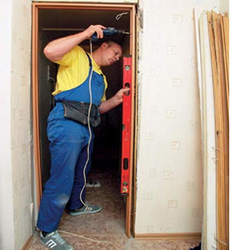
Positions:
{"x": 56, "y": 49}
{"x": 113, "y": 101}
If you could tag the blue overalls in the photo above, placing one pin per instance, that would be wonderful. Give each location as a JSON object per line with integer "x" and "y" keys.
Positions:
{"x": 68, "y": 148}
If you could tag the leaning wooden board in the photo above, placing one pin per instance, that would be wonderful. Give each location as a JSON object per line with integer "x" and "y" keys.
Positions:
{"x": 221, "y": 123}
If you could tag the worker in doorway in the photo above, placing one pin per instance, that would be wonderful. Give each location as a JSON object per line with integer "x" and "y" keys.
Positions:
{"x": 80, "y": 99}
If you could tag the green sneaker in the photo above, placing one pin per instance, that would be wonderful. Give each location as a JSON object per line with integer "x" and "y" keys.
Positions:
{"x": 89, "y": 209}
{"x": 54, "y": 241}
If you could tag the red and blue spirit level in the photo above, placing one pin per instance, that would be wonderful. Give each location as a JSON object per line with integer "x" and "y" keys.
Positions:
{"x": 126, "y": 125}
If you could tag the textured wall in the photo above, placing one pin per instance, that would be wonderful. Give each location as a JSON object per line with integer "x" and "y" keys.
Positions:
{"x": 169, "y": 166}
{"x": 6, "y": 208}
{"x": 224, "y": 6}
{"x": 15, "y": 129}
{"x": 21, "y": 120}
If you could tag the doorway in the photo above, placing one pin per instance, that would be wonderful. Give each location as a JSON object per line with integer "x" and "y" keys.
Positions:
{"x": 54, "y": 20}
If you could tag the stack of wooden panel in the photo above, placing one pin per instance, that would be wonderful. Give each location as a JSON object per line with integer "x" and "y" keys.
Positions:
{"x": 219, "y": 46}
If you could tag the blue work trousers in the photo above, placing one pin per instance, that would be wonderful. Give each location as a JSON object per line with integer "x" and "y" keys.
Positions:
{"x": 68, "y": 147}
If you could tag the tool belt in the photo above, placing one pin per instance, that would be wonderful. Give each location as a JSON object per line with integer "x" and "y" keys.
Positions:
{"x": 78, "y": 111}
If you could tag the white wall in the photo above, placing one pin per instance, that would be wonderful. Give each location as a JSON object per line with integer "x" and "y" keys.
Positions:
{"x": 6, "y": 208}
{"x": 21, "y": 120}
{"x": 224, "y": 6}
{"x": 16, "y": 178}
{"x": 169, "y": 164}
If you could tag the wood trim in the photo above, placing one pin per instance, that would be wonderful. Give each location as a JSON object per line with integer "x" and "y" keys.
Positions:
{"x": 225, "y": 46}
{"x": 222, "y": 136}
{"x": 226, "y": 36}
{"x": 220, "y": 96}
{"x": 137, "y": 20}
{"x": 168, "y": 236}
{"x": 92, "y": 6}
{"x": 35, "y": 102}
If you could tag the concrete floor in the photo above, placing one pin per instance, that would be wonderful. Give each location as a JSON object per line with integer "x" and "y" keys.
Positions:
{"x": 106, "y": 230}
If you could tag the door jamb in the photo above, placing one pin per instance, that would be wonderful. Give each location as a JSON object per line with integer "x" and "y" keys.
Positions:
{"x": 35, "y": 82}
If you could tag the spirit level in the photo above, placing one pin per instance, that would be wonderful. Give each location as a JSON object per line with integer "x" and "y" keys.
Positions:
{"x": 126, "y": 125}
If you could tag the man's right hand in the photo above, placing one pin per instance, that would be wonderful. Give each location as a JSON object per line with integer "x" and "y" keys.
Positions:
{"x": 94, "y": 29}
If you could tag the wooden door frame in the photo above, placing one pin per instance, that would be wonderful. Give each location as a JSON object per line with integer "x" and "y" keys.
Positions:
{"x": 35, "y": 82}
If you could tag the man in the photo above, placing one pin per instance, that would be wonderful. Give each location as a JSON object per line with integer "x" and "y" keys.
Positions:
{"x": 80, "y": 90}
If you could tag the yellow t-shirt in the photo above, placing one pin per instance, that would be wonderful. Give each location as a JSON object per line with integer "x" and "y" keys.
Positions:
{"x": 74, "y": 69}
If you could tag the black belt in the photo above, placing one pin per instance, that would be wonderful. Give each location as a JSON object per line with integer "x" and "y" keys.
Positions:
{"x": 78, "y": 111}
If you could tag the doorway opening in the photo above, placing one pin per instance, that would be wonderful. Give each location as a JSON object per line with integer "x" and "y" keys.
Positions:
{"x": 51, "y": 21}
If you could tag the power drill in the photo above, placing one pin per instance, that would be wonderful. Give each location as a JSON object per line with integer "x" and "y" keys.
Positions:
{"x": 109, "y": 31}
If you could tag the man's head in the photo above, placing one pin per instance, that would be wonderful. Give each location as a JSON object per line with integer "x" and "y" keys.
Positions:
{"x": 108, "y": 53}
